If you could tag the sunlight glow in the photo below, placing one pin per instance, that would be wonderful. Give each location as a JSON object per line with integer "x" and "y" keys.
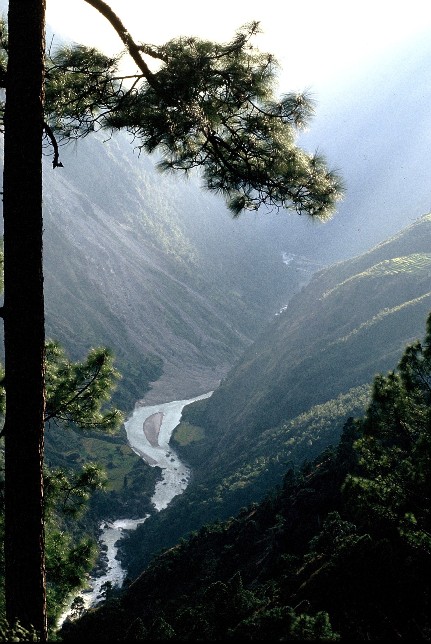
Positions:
{"x": 314, "y": 41}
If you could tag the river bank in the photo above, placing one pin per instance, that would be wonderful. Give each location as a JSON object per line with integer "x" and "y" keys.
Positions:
{"x": 149, "y": 430}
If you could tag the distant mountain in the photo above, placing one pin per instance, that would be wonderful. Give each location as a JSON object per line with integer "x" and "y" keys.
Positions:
{"x": 351, "y": 321}
{"x": 372, "y": 126}
{"x": 156, "y": 269}
{"x": 289, "y": 396}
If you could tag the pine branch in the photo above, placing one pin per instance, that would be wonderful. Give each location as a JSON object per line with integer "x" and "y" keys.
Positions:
{"x": 133, "y": 49}
{"x": 77, "y": 394}
{"x": 56, "y": 163}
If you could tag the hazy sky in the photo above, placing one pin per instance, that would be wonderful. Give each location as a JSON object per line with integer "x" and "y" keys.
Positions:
{"x": 316, "y": 41}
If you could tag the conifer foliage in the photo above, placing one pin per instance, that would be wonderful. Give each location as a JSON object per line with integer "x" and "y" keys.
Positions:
{"x": 393, "y": 485}
{"x": 341, "y": 551}
{"x": 210, "y": 107}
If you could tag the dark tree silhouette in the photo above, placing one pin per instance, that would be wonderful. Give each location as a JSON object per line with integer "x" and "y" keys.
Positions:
{"x": 24, "y": 317}
{"x": 208, "y": 106}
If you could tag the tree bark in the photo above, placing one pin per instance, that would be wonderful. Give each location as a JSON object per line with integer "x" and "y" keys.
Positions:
{"x": 24, "y": 317}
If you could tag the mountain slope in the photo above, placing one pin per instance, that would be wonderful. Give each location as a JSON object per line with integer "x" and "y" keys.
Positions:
{"x": 122, "y": 242}
{"x": 351, "y": 321}
{"x": 152, "y": 267}
{"x": 327, "y": 556}
{"x": 293, "y": 389}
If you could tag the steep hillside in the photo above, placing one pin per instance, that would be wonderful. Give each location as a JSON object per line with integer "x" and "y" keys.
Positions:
{"x": 289, "y": 396}
{"x": 155, "y": 269}
{"x": 338, "y": 552}
{"x": 352, "y": 321}
{"x": 158, "y": 271}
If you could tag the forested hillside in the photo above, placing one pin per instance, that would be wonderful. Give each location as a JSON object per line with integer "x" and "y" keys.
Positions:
{"x": 281, "y": 523}
{"x": 339, "y": 551}
{"x": 288, "y": 397}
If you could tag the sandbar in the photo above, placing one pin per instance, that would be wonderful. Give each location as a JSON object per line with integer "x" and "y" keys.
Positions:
{"x": 151, "y": 428}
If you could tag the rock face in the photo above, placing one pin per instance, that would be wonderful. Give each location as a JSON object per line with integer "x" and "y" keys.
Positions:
{"x": 154, "y": 268}
{"x": 150, "y": 265}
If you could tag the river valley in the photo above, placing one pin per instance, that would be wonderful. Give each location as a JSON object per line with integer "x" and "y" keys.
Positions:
{"x": 149, "y": 430}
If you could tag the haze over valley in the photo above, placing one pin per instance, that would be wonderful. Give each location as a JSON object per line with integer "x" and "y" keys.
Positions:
{"x": 274, "y": 376}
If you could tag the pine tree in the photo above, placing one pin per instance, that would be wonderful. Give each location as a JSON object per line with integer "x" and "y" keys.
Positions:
{"x": 24, "y": 317}
{"x": 210, "y": 107}
{"x": 391, "y": 490}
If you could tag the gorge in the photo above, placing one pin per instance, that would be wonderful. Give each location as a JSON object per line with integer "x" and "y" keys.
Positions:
{"x": 155, "y": 450}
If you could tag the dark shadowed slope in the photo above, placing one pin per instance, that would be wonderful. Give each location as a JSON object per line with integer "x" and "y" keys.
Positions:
{"x": 289, "y": 395}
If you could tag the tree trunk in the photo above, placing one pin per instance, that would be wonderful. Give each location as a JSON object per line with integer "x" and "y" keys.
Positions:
{"x": 24, "y": 317}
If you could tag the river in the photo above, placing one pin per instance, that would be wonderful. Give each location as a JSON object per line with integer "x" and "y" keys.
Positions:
{"x": 149, "y": 430}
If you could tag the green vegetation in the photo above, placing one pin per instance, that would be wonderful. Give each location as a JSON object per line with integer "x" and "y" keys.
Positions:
{"x": 361, "y": 502}
{"x": 129, "y": 481}
{"x": 223, "y": 490}
{"x": 386, "y": 312}
{"x": 82, "y": 432}
{"x": 414, "y": 263}
{"x": 340, "y": 551}
{"x": 185, "y": 433}
{"x": 119, "y": 460}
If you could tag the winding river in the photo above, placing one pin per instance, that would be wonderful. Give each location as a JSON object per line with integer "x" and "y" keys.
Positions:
{"x": 149, "y": 431}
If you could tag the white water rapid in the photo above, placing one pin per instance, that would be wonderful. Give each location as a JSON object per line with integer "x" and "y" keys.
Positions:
{"x": 149, "y": 431}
